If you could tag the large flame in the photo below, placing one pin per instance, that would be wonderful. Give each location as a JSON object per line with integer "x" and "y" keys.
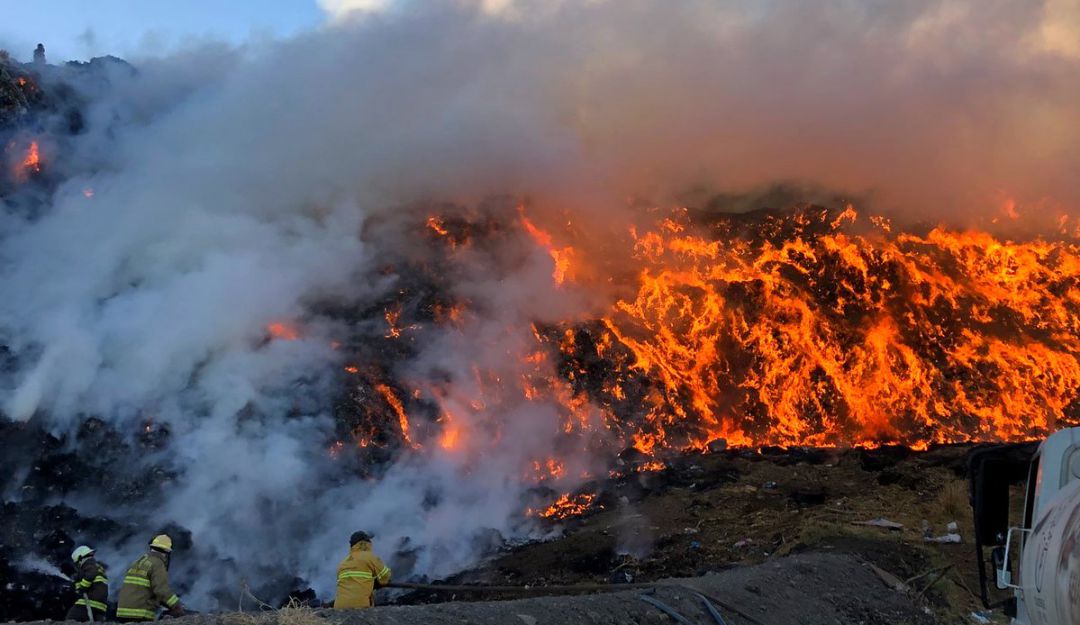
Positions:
{"x": 819, "y": 337}
{"x": 809, "y": 327}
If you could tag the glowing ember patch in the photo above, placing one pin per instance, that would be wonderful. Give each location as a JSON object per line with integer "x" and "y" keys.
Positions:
{"x": 561, "y": 257}
{"x": 352, "y": 369}
{"x": 283, "y": 331}
{"x": 652, "y": 465}
{"x": 551, "y": 468}
{"x": 399, "y": 410}
{"x": 393, "y": 330}
{"x": 567, "y": 506}
{"x": 31, "y": 163}
{"x": 436, "y": 224}
{"x": 449, "y": 438}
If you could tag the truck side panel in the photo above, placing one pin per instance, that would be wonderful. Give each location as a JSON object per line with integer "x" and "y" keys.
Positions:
{"x": 1051, "y": 562}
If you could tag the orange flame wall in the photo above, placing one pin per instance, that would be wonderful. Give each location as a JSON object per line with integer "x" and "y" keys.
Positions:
{"x": 814, "y": 336}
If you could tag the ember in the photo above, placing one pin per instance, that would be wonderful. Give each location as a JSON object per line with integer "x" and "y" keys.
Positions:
{"x": 282, "y": 330}
{"x": 399, "y": 410}
{"x": 567, "y": 506}
{"x": 559, "y": 256}
{"x": 31, "y": 163}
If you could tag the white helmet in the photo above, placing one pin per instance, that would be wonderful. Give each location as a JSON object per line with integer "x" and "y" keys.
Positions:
{"x": 81, "y": 552}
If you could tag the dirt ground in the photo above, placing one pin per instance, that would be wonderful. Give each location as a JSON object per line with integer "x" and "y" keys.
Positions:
{"x": 713, "y": 512}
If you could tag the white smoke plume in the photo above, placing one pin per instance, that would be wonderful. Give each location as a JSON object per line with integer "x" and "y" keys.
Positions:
{"x": 231, "y": 187}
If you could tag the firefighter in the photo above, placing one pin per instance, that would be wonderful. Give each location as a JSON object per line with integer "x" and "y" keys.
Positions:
{"x": 359, "y": 574}
{"x": 91, "y": 586}
{"x": 146, "y": 585}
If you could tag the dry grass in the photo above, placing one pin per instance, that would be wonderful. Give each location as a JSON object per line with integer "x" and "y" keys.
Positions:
{"x": 297, "y": 613}
{"x": 953, "y": 500}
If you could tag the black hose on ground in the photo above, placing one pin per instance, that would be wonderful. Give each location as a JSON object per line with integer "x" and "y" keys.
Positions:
{"x": 530, "y": 590}
{"x": 666, "y": 609}
{"x": 558, "y": 590}
{"x": 712, "y": 610}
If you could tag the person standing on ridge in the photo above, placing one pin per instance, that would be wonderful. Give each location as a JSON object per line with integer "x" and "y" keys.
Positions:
{"x": 359, "y": 574}
{"x": 91, "y": 586}
{"x": 146, "y": 585}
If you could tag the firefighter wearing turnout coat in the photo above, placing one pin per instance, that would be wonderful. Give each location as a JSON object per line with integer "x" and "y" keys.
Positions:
{"x": 359, "y": 574}
{"x": 146, "y": 585}
{"x": 91, "y": 586}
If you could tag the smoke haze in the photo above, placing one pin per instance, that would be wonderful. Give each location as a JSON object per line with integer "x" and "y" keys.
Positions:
{"x": 231, "y": 188}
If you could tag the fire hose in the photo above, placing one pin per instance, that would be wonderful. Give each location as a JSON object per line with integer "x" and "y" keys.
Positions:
{"x": 709, "y": 602}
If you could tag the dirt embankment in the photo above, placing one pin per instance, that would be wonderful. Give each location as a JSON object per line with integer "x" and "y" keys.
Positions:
{"x": 709, "y": 513}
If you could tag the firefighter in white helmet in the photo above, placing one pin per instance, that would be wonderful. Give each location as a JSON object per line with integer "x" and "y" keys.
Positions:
{"x": 91, "y": 586}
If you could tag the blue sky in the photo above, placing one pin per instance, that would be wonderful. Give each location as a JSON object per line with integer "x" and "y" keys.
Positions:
{"x": 80, "y": 29}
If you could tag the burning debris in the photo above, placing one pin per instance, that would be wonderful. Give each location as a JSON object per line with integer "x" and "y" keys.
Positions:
{"x": 31, "y": 163}
{"x": 809, "y": 327}
{"x": 567, "y": 506}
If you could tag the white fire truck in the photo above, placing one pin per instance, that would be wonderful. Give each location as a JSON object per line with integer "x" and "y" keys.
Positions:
{"x": 1036, "y": 561}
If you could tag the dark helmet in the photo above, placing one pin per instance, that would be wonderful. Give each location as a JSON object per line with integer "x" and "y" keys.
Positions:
{"x": 359, "y": 537}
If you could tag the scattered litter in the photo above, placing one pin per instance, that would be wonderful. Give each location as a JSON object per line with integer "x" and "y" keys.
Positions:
{"x": 695, "y": 545}
{"x": 980, "y": 617}
{"x": 746, "y": 542}
{"x": 946, "y": 539}
{"x": 770, "y": 486}
{"x": 528, "y": 620}
{"x": 953, "y": 528}
{"x": 880, "y": 522}
{"x": 690, "y": 530}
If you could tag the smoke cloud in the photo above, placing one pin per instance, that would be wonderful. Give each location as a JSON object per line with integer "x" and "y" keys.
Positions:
{"x": 231, "y": 187}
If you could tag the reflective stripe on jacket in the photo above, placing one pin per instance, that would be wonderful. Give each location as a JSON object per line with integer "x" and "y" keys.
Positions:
{"x": 91, "y": 585}
{"x": 145, "y": 589}
{"x": 359, "y": 574}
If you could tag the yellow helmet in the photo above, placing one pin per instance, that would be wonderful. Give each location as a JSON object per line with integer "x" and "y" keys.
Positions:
{"x": 162, "y": 542}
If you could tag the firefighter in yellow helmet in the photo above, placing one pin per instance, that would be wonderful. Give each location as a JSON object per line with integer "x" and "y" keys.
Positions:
{"x": 146, "y": 585}
{"x": 359, "y": 574}
{"x": 91, "y": 586}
